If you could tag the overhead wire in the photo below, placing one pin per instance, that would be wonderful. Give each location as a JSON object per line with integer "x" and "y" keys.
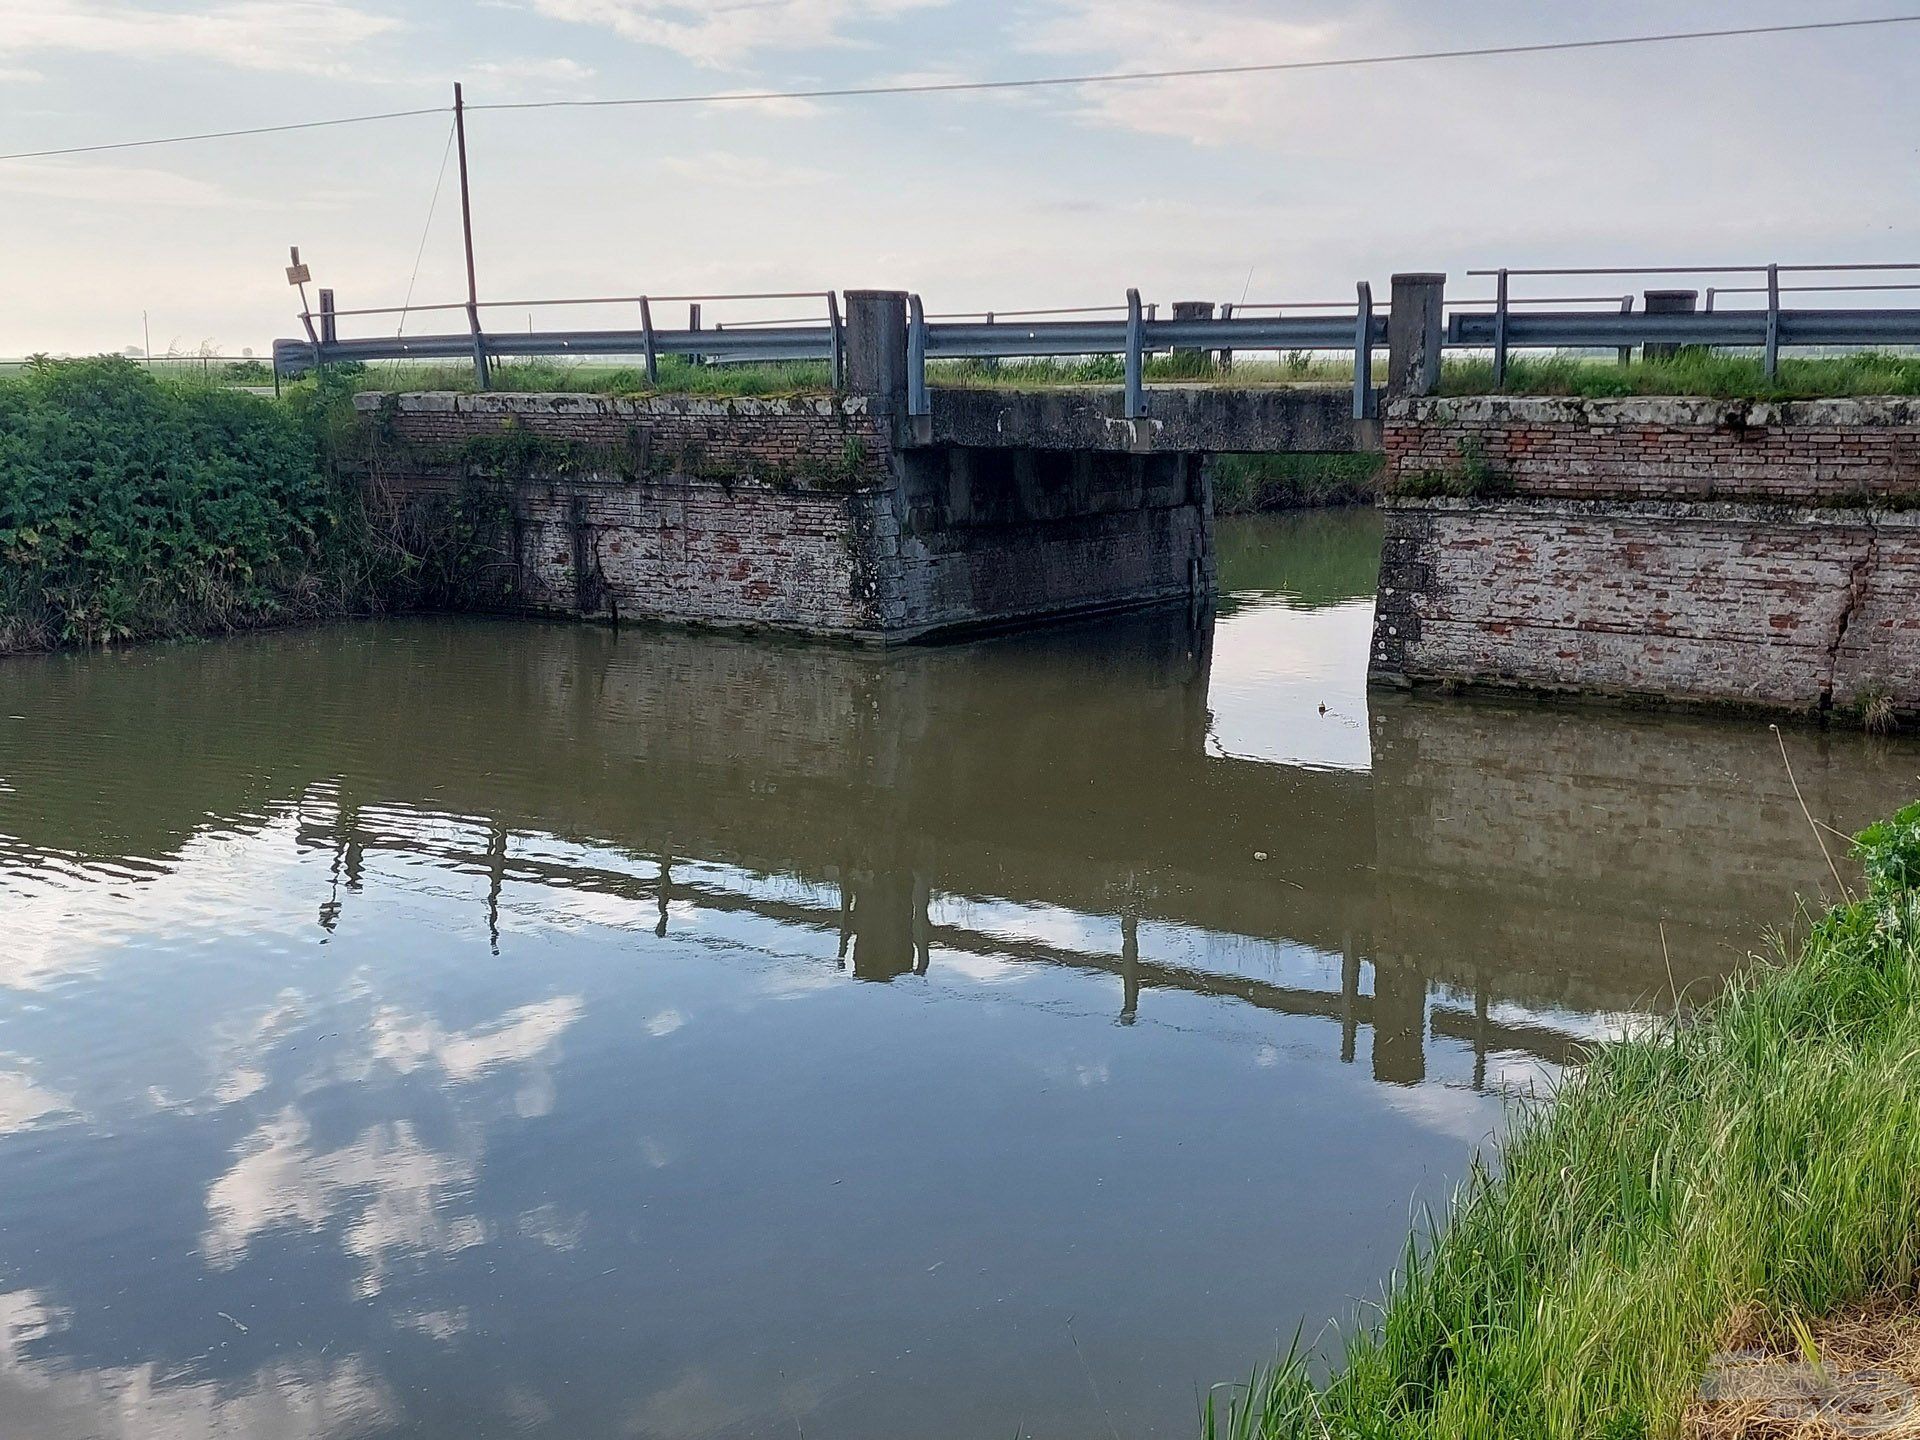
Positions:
{"x": 952, "y": 87}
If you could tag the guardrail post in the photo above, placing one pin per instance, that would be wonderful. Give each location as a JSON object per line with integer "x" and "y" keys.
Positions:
{"x": 329, "y": 331}
{"x": 1668, "y": 302}
{"x": 646, "y": 342}
{"x": 876, "y": 349}
{"x": 1773, "y": 323}
{"x": 1500, "y": 330}
{"x": 992, "y": 362}
{"x": 693, "y": 324}
{"x": 1136, "y": 358}
{"x": 1626, "y": 308}
{"x": 1415, "y": 329}
{"x": 1363, "y": 399}
{"x": 919, "y": 402}
{"x": 1192, "y": 310}
{"x": 836, "y": 344}
{"x": 1226, "y": 356}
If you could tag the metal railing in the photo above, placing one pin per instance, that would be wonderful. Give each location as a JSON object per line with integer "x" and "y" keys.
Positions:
{"x": 763, "y": 343}
{"x": 1679, "y": 323}
{"x": 1134, "y": 332}
{"x": 1135, "y": 335}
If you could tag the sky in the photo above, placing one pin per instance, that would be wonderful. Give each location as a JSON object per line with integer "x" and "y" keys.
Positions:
{"x": 1290, "y": 187}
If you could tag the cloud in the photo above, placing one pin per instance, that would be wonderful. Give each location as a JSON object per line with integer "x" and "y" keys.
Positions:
{"x": 108, "y": 184}
{"x": 512, "y": 73}
{"x": 723, "y": 167}
{"x": 724, "y": 34}
{"x": 299, "y": 36}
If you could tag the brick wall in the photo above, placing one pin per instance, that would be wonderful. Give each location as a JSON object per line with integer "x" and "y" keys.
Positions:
{"x": 1797, "y": 609}
{"x": 1813, "y": 452}
{"x": 799, "y": 513}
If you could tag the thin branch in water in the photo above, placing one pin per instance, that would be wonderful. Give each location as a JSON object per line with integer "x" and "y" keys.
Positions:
{"x": 1812, "y": 824}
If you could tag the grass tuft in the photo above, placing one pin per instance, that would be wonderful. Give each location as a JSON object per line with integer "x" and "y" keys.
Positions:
{"x": 1757, "y": 1165}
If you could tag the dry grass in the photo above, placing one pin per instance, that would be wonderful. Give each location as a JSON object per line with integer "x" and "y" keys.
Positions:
{"x": 1854, "y": 1373}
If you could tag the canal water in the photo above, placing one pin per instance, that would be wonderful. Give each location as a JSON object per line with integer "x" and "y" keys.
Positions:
{"x": 465, "y": 1028}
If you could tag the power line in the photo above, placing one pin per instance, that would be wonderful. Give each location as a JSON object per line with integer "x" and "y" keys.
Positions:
{"x": 947, "y": 87}
{"x": 227, "y": 134}
{"x": 425, "y": 231}
{"x": 950, "y": 87}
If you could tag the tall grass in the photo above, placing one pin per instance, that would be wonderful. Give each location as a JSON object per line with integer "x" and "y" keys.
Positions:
{"x": 1760, "y": 1164}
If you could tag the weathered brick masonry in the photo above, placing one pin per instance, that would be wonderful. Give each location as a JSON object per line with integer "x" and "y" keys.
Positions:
{"x": 796, "y": 513}
{"x": 1675, "y": 549}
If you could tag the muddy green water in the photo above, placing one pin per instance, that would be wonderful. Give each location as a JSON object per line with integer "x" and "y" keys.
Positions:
{"x": 467, "y": 1028}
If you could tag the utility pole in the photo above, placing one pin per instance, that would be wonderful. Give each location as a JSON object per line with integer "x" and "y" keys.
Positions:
{"x": 480, "y": 374}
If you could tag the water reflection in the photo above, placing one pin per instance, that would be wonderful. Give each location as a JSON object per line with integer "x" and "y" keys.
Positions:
{"x": 465, "y": 1028}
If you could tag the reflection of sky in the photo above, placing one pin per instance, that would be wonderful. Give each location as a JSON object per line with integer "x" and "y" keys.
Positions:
{"x": 1275, "y": 664}
{"x": 375, "y": 1177}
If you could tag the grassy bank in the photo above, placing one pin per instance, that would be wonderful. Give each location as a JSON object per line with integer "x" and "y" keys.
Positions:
{"x": 133, "y": 506}
{"x": 1253, "y": 484}
{"x": 1737, "y": 1175}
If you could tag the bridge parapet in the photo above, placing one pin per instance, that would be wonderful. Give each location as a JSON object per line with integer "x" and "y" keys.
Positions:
{"x": 1183, "y": 419}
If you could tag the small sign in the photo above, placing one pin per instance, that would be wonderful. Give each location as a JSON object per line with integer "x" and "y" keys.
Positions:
{"x": 298, "y": 275}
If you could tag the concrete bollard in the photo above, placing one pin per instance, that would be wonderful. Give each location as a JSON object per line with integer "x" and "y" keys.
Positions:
{"x": 1668, "y": 302}
{"x": 877, "y": 348}
{"x": 1414, "y": 335}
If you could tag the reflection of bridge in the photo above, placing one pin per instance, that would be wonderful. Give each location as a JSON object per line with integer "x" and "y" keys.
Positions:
{"x": 1507, "y": 856}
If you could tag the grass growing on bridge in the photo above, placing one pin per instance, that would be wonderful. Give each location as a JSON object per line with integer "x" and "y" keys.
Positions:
{"x": 1691, "y": 372}
{"x": 1754, "y": 1168}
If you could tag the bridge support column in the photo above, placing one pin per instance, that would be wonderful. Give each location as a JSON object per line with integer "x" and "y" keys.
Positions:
{"x": 1414, "y": 335}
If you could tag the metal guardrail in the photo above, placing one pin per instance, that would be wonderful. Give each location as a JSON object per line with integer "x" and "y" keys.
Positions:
{"x": 1133, "y": 332}
{"x": 1676, "y": 322}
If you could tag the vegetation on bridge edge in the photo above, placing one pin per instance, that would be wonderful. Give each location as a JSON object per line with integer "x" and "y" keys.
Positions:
{"x": 1689, "y": 372}
{"x": 1725, "y": 1178}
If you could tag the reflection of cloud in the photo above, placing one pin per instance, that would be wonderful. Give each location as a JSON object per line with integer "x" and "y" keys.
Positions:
{"x": 441, "y": 1325}
{"x": 400, "y": 1186}
{"x": 24, "y": 1104}
{"x": 407, "y": 1043}
{"x": 665, "y": 1023}
{"x": 1445, "y": 1110}
{"x": 288, "y": 1400}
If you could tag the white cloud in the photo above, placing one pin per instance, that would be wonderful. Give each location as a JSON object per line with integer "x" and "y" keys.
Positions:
{"x": 300, "y": 36}
{"x": 723, "y": 35}
{"x": 555, "y": 71}
{"x": 723, "y": 167}
{"x": 121, "y": 186}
